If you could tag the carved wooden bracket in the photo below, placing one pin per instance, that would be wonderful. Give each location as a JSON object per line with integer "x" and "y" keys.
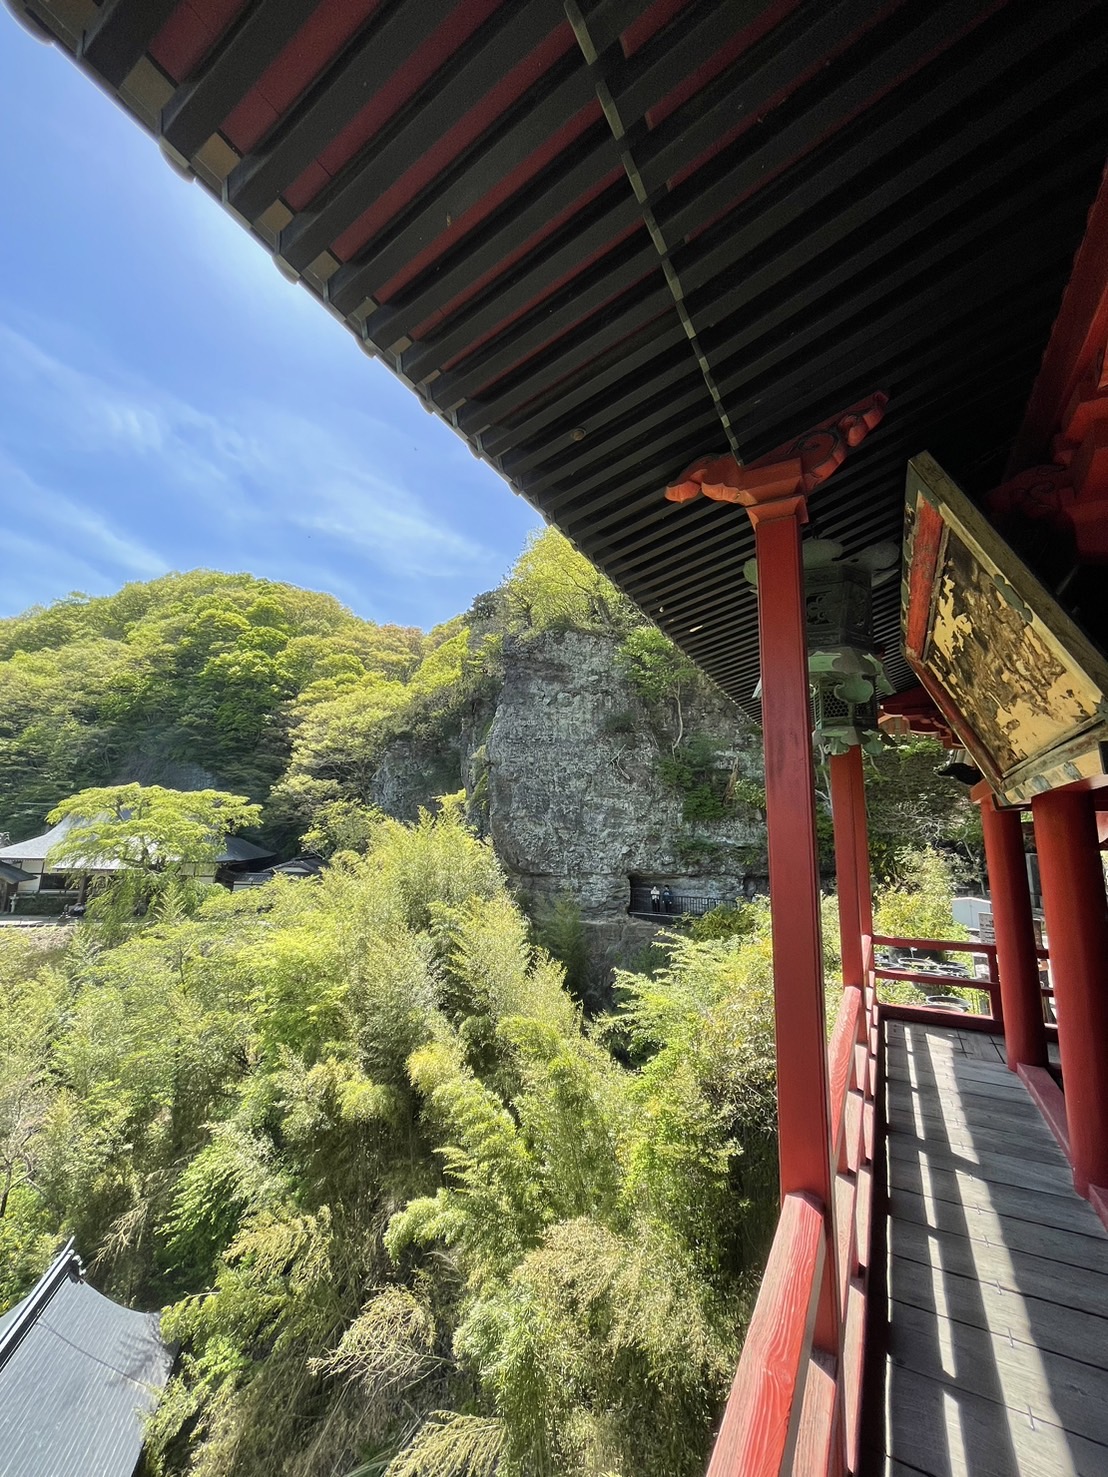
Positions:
{"x": 786, "y": 474}
{"x": 1069, "y": 495}
{"x": 915, "y": 712}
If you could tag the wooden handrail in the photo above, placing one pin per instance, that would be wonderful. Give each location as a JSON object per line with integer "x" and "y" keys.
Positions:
{"x": 954, "y": 946}
{"x": 960, "y": 946}
{"x": 790, "y": 1402}
{"x": 990, "y": 987}
{"x": 762, "y": 1419}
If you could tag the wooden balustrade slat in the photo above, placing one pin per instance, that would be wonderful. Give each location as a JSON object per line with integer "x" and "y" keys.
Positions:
{"x": 845, "y": 1195}
{"x": 863, "y": 1214}
{"x": 863, "y": 1075}
{"x": 852, "y": 1135}
{"x": 840, "y": 1054}
{"x": 869, "y": 1130}
{"x": 851, "y": 1376}
{"x": 817, "y": 1440}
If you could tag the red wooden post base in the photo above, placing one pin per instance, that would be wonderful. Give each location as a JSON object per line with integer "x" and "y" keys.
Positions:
{"x": 1077, "y": 922}
{"x": 1021, "y": 997}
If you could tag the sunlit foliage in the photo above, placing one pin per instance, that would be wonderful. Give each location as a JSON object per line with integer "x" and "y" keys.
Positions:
{"x": 147, "y": 827}
{"x": 192, "y": 672}
{"x": 408, "y": 1214}
{"x": 553, "y": 587}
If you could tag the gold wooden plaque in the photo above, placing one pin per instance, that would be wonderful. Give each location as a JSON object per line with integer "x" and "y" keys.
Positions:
{"x": 1018, "y": 681}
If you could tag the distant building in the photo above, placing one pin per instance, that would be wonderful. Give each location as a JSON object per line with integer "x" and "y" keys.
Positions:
{"x": 79, "y": 1374}
{"x": 11, "y": 877}
{"x": 298, "y": 867}
{"x": 28, "y": 858}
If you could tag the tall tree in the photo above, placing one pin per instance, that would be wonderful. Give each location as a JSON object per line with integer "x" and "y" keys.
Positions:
{"x": 147, "y": 827}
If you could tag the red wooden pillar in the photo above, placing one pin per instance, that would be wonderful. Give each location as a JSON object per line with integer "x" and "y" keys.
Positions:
{"x": 773, "y": 491}
{"x": 803, "y": 1112}
{"x": 848, "y": 811}
{"x": 1077, "y": 924}
{"x": 1020, "y": 994}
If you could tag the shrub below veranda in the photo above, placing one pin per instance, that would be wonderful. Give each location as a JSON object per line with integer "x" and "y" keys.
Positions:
{"x": 408, "y": 1214}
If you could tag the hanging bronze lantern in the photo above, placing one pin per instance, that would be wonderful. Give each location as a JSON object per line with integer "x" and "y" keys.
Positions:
{"x": 846, "y": 673}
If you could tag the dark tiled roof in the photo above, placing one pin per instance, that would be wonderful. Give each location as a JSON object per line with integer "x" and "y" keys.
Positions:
{"x": 235, "y": 849}
{"x": 78, "y": 1375}
{"x": 36, "y": 848}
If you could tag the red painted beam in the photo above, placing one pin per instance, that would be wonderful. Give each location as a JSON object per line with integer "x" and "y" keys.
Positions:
{"x": 927, "y": 539}
{"x": 804, "y": 1134}
{"x": 922, "y": 1015}
{"x": 1051, "y": 1103}
{"x": 1077, "y": 339}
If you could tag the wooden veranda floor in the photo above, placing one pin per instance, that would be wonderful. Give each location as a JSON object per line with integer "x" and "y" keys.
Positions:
{"x": 997, "y": 1276}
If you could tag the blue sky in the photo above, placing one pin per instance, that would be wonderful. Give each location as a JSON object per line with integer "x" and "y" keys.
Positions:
{"x": 168, "y": 400}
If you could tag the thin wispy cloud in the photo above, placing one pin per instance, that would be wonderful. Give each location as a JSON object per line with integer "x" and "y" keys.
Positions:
{"x": 27, "y": 555}
{"x": 259, "y": 469}
{"x": 84, "y": 539}
{"x": 183, "y": 405}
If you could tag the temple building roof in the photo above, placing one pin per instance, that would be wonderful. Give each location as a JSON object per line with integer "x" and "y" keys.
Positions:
{"x": 37, "y": 848}
{"x": 78, "y": 1376}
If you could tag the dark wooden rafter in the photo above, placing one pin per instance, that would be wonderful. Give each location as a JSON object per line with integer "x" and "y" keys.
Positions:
{"x": 461, "y": 191}
{"x": 594, "y": 248}
{"x": 490, "y": 53}
{"x": 200, "y": 105}
{"x": 119, "y": 37}
{"x": 622, "y": 110}
{"x": 381, "y": 48}
{"x": 614, "y": 222}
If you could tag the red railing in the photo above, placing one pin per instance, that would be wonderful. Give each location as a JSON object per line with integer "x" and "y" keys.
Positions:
{"x": 924, "y": 976}
{"x": 795, "y": 1408}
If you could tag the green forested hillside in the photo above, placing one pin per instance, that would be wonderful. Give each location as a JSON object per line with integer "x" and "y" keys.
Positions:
{"x": 195, "y": 670}
{"x": 226, "y": 681}
{"x": 408, "y": 1215}
{"x": 252, "y": 686}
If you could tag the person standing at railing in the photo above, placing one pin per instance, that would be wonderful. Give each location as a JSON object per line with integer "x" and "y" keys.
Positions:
{"x": 667, "y": 899}
{"x": 655, "y": 899}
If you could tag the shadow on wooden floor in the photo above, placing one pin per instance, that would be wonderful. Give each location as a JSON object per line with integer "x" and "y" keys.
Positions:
{"x": 997, "y": 1277}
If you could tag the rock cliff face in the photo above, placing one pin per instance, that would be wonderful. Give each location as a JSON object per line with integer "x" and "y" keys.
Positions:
{"x": 563, "y": 769}
{"x": 413, "y": 771}
{"x": 576, "y": 800}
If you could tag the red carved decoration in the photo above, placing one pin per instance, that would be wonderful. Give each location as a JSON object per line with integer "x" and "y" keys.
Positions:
{"x": 926, "y": 543}
{"x": 914, "y": 712}
{"x": 1067, "y": 498}
{"x": 1038, "y": 493}
{"x": 790, "y": 471}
